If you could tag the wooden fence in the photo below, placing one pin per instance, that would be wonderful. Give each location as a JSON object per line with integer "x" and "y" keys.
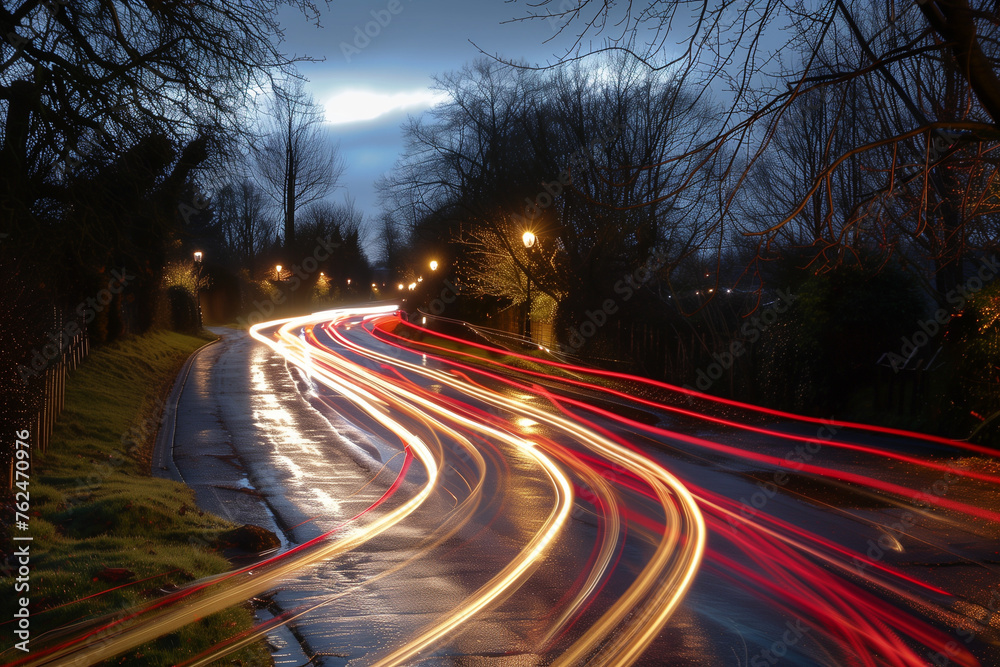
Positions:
{"x": 71, "y": 351}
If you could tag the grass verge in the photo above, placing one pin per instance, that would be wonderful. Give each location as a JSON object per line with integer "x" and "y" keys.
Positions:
{"x": 108, "y": 535}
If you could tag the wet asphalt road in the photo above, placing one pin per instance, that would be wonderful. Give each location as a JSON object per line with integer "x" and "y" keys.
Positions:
{"x": 262, "y": 444}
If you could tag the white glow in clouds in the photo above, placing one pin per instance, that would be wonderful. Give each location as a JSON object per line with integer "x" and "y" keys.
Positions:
{"x": 352, "y": 106}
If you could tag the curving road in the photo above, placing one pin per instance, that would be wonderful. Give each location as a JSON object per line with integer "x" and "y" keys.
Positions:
{"x": 499, "y": 509}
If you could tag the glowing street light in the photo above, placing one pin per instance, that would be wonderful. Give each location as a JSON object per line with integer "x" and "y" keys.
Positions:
{"x": 412, "y": 286}
{"x": 400, "y": 285}
{"x": 434, "y": 265}
{"x": 197, "y": 284}
{"x": 529, "y": 240}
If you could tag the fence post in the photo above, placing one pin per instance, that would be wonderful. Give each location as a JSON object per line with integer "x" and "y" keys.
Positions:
{"x": 47, "y": 406}
{"x": 38, "y": 430}
{"x": 62, "y": 384}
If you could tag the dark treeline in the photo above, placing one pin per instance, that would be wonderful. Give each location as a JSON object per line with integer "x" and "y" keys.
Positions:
{"x": 842, "y": 153}
{"x": 119, "y": 125}
{"x": 812, "y": 232}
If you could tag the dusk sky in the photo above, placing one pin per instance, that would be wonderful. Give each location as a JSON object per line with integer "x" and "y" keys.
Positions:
{"x": 368, "y": 94}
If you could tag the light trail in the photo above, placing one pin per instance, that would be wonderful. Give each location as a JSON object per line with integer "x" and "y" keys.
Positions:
{"x": 539, "y": 450}
{"x": 655, "y": 594}
{"x": 217, "y": 593}
{"x": 863, "y": 636}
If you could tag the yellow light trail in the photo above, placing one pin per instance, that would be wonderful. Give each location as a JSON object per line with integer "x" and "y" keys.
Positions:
{"x": 148, "y": 625}
{"x": 618, "y": 637}
{"x": 669, "y": 574}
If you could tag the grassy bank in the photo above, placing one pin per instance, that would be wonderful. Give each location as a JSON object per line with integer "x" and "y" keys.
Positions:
{"x": 108, "y": 535}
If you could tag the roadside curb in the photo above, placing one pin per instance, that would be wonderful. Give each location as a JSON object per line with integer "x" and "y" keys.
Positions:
{"x": 163, "y": 447}
{"x": 284, "y": 641}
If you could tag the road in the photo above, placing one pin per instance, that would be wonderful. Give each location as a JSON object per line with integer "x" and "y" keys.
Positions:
{"x": 445, "y": 503}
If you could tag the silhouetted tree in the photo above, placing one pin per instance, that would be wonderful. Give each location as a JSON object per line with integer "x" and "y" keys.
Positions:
{"x": 243, "y": 222}
{"x": 297, "y": 162}
{"x": 911, "y": 94}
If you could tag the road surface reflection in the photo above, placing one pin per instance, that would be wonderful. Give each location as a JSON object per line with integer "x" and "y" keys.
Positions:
{"x": 549, "y": 455}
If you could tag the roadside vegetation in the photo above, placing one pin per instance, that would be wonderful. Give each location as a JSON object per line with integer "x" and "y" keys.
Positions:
{"x": 114, "y": 536}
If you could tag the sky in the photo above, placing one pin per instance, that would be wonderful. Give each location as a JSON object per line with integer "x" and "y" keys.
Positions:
{"x": 369, "y": 83}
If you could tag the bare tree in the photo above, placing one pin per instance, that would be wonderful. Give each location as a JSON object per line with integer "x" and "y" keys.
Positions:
{"x": 242, "y": 215}
{"x": 391, "y": 241}
{"x": 115, "y": 72}
{"x": 761, "y": 56}
{"x": 564, "y": 155}
{"x": 297, "y": 161}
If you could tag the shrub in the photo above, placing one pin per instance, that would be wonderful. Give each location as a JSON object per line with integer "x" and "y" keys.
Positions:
{"x": 183, "y": 310}
{"x": 828, "y": 345}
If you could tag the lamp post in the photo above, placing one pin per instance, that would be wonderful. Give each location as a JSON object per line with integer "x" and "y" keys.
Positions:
{"x": 529, "y": 240}
{"x": 197, "y": 285}
{"x": 434, "y": 265}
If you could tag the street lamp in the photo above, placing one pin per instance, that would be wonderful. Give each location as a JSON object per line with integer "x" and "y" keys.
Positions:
{"x": 197, "y": 284}
{"x": 277, "y": 272}
{"x": 434, "y": 265}
{"x": 529, "y": 240}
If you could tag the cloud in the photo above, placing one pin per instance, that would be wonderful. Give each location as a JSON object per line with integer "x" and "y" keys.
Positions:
{"x": 355, "y": 106}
